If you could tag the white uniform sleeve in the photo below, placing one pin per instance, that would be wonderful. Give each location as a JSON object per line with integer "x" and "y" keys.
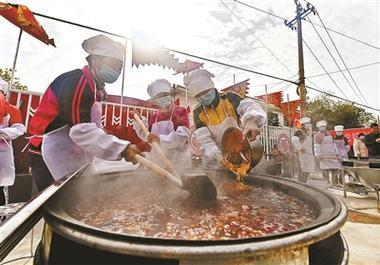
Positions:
{"x": 177, "y": 138}
{"x": 296, "y": 143}
{"x": 12, "y": 132}
{"x": 249, "y": 110}
{"x": 96, "y": 142}
{"x": 139, "y": 131}
{"x": 206, "y": 142}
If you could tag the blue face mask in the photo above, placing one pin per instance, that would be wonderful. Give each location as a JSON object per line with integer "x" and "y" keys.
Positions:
{"x": 164, "y": 101}
{"x": 322, "y": 129}
{"x": 108, "y": 74}
{"x": 208, "y": 98}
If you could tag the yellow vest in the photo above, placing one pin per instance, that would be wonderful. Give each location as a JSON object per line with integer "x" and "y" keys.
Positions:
{"x": 215, "y": 116}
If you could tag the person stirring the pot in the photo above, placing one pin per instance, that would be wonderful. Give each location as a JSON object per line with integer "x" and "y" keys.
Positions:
{"x": 215, "y": 113}
{"x": 169, "y": 126}
{"x": 66, "y": 131}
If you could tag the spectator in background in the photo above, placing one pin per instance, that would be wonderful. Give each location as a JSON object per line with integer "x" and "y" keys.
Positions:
{"x": 372, "y": 140}
{"x": 360, "y": 148}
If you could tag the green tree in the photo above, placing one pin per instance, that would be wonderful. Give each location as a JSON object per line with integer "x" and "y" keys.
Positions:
{"x": 336, "y": 112}
{"x": 6, "y": 75}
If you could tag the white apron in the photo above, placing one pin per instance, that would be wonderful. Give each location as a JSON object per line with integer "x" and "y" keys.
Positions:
{"x": 341, "y": 147}
{"x": 178, "y": 155}
{"x": 307, "y": 158}
{"x": 7, "y": 167}
{"x": 328, "y": 149}
{"x": 61, "y": 155}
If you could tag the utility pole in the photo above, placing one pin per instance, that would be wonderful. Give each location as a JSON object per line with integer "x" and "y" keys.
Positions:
{"x": 296, "y": 24}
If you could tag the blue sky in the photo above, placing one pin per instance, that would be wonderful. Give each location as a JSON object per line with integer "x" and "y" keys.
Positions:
{"x": 208, "y": 29}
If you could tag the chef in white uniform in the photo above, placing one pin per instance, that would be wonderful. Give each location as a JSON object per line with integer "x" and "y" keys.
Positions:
{"x": 302, "y": 143}
{"x": 327, "y": 153}
{"x": 11, "y": 127}
{"x": 216, "y": 112}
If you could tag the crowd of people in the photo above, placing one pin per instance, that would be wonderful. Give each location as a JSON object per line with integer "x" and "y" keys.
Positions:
{"x": 327, "y": 149}
{"x": 66, "y": 130}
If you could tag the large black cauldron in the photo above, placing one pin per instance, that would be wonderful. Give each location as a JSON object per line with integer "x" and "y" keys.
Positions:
{"x": 68, "y": 240}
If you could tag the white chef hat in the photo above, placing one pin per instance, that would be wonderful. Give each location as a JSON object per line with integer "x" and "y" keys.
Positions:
{"x": 339, "y": 128}
{"x": 105, "y": 46}
{"x": 4, "y": 86}
{"x": 305, "y": 120}
{"x": 198, "y": 81}
{"x": 321, "y": 124}
{"x": 159, "y": 86}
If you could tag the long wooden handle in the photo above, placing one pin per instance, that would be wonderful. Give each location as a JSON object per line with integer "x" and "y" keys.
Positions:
{"x": 154, "y": 144}
{"x": 159, "y": 170}
{"x": 141, "y": 123}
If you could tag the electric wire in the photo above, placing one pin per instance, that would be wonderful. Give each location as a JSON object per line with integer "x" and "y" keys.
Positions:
{"x": 351, "y": 68}
{"x": 253, "y": 34}
{"x": 333, "y": 58}
{"x": 343, "y": 99}
{"x": 340, "y": 56}
{"x": 284, "y": 19}
{"x": 201, "y": 58}
{"x": 320, "y": 63}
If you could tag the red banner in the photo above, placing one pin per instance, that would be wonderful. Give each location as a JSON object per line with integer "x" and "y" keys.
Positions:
{"x": 353, "y": 133}
{"x": 290, "y": 110}
{"x": 240, "y": 88}
{"x": 23, "y": 18}
{"x": 273, "y": 98}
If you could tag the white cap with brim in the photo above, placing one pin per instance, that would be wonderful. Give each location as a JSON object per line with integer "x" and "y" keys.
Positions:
{"x": 3, "y": 85}
{"x": 158, "y": 86}
{"x": 305, "y": 120}
{"x": 198, "y": 81}
{"x": 104, "y": 46}
{"x": 321, "y": 124}
{"x": 339, "y": 128}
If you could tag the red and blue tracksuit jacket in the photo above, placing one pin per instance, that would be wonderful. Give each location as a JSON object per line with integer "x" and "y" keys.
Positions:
{"x": 68, "y": 100}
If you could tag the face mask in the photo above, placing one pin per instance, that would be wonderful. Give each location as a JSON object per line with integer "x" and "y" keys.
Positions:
{"x": 308, "y": 126}
{"x": 108, "y": 74}
{"x": 322, "y": 129}
{"x": 362, "y": 137}
{"x": 208, "y": 98}
{"x": 339, "y": 133}
{"x": 164, "y": 101}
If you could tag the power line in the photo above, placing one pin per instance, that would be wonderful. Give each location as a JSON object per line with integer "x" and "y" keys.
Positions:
{"x": 284, "y": 19}
{"x": 253, "y": 34}
{"x": 204, "y": 59}
{"x": 231, "y": 65}
{"x": 347, "y": 100}
{"x": 332, "y": 57}
{"x": 351, "y": 68}
{"x": 320, "y": 63}
{"x": 340, "y": 56}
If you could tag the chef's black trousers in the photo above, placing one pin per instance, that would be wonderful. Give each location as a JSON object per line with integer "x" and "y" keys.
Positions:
{"x": 40, "y": 172}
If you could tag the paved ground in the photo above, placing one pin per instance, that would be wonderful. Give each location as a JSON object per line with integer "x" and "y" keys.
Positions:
{"x": 363, "y": 239}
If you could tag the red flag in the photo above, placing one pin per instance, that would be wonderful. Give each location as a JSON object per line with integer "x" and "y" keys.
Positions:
{"x": 273, "y": 98}
{"x": 240, "y": 88}
{"x": 290, "y": 110}
{"x": 23, "y": 18}
{"x": 187, "y": 66}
